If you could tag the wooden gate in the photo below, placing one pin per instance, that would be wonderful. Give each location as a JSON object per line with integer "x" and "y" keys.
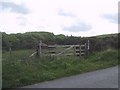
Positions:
{"x": 64, "y": 50}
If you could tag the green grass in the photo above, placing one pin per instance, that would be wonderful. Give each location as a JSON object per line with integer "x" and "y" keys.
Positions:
{"x": 19, "y": 70}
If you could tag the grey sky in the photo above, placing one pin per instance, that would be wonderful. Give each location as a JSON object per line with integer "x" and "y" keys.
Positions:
{"x": 81, "y": 26}
{"x": 65, "y": 13}
{"x": 68, "y": 17}
{"x": 14, "y": 7}
{"x": 22, "y": 21}
{"x": 113, "y": 18}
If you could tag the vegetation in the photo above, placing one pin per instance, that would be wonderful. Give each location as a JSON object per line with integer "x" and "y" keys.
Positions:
{"x": 18, "y": 69}
{"x": 29, "y": 39}
{"x": 21, "y": 70}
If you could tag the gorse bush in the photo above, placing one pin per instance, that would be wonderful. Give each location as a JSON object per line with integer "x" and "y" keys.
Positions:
{"x": 109, "y": 55}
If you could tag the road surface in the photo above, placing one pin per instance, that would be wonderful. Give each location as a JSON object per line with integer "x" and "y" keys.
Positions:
{"x": 106, "y": 78}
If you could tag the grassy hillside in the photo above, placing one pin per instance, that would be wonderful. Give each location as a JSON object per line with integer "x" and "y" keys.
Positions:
{"x": 28, "y": 40}
{"x": 19, "y": 70}
{"x": 107, "y": 35}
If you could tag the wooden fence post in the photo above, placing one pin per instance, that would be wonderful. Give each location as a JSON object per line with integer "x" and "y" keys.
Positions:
{"x": 85, "y": 49}
{"x": 80, "y": 51}
{"x": 10, "y": 51}
{"x": 74, "y": 50}
{"x": 39, "y": 49}
{"x": 88, "y": 47}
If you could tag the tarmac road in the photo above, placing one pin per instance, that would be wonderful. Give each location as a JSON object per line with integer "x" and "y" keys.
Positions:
{"x": 106, "y": 78}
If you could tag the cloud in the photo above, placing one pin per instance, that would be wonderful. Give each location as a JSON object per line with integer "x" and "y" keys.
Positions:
{"x": 14, "y": 7}
{"x": 113, "y": 18}
{"x": 81, "y": 26}
{"x": 65, "y": 13}
{"x": 22, "y": 21}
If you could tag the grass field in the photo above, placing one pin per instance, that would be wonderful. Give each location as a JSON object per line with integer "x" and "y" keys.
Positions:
{"x": 19, "y": 70}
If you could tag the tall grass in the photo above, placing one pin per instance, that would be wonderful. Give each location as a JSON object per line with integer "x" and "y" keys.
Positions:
{"x": 19, "y": 70}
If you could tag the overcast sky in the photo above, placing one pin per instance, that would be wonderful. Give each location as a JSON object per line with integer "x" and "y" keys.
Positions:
{"x": 68, "y": 17}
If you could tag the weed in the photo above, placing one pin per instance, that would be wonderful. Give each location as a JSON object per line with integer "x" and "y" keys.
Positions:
{"x": 16, "y": 73}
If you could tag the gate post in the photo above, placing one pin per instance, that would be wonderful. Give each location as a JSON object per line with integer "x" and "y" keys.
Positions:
{"x": 39, "y": 49}
{"x": 88, "y": 47}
